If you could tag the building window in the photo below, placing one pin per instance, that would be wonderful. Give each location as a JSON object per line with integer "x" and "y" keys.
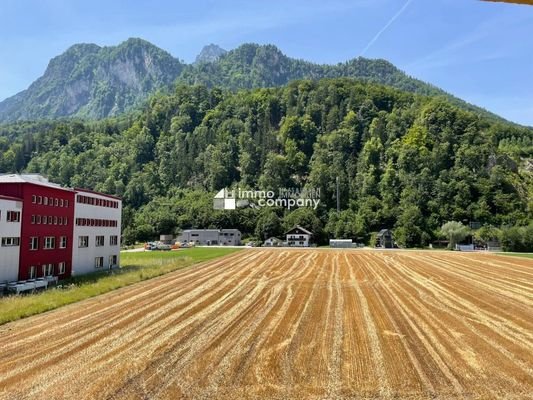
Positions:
{"x": 83, "y": 241}
{"x": 66, "y": 203}
{"x": 32, "y": 272}
{"x": 48, "y": 269}
{"x": 98, "y": 262}
{"x": 13, "y": 216}
{"x": 33, "y": 219}
{"x": 61, "y": 267}
{"x": 61, "y": 203}
{"x": 40, "y": 200}
{"x": 38, "y": 219}
{"x": 63, "y": 242}
{"x": 55, "y": 220}
{"x": 99, "y": 241}
{"x": 66, "y": 221}
{"x": 112, "y": 261}
{"x": 10, "y": 241}
{"x": 34, "y": 199}
{"x": 45, "y": 201}
{"x": 113, "y": 240}
{"x": 49, "y": 242}
{"x": 34, "y": 243}
{"x": 56, "y": 202}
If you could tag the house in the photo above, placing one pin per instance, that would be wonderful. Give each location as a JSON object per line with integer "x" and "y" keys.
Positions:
{"x": 211, "y": 237}
{"x": 298, "y": 237}
{"x": 273, "y": 242}
{"x": 59, "y": 226}
{"x": 385, "y": 239}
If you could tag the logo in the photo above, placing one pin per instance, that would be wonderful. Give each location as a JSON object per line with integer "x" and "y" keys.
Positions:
{"x": 224, "y": 200}
{"x": 232, "y": 199}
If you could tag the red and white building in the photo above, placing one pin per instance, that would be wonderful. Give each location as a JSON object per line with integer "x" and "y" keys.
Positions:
{"x": 48, "y": 242}
{"x": 10, "y": 214}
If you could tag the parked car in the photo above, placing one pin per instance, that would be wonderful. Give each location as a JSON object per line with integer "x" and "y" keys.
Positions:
{"x": 162, "y": 246}
{"x": 150, "y": 246}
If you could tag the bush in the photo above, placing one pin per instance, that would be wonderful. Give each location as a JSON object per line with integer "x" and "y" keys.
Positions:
{"x": 518, "y": 238}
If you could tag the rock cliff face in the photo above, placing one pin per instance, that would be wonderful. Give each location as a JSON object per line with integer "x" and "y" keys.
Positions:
{"x": 94, "y": 82}
{"x": 210, "y": 53}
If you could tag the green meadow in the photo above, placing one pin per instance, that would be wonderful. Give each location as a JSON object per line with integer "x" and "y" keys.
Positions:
{"x": 135, "y": 267}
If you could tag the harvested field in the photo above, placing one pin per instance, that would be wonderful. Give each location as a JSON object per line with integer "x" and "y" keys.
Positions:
{"x": 289, "y": 324}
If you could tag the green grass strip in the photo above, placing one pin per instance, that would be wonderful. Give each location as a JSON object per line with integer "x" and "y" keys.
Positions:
{"x": 524, "y": 255}
{"x": 136, "y": 267}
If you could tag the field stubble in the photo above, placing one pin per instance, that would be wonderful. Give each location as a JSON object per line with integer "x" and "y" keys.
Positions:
{"x": 289, "y": 324}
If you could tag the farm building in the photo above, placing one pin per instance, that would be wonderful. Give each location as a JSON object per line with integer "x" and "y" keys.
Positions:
{"x": 385, "y": 239}
{"x": 341, "y": 243}
{"x": 273, "y": 242}
{"x": 298, "y": 237}
{"x": 211, "y": 237}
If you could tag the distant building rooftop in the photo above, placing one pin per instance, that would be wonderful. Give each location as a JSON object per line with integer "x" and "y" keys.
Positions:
{"x": 34, "y": 179}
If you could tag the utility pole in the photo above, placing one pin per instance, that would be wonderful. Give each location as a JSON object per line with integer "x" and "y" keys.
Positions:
{"x": 338, "y": 197}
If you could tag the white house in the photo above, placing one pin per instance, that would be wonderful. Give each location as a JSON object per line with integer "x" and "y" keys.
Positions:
{"x": 10, "y": 229}
{"x": 273, "y": 242}
{"x": 97, "y": 224}
{"x": 298, "y": 237}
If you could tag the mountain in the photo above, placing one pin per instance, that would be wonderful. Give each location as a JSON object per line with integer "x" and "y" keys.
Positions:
{"x": 93, "y": 82}
{"x": 252, "y": 66}
{"x": 210, "y": 53}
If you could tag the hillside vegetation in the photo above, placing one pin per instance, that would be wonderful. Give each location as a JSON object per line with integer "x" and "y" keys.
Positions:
{"x": 404, "y": 161}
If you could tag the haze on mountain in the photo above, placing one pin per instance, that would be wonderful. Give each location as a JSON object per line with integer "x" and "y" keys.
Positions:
{"x": 94, "y": 82}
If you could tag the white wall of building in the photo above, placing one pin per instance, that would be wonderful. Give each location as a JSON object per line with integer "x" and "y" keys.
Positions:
{"x": 83, "y": 258}
{"x": 9, "y": 255}
{"x": 298, "y": 240}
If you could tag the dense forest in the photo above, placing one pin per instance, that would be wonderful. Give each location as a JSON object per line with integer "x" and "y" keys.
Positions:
{"x": 405, "y": 161}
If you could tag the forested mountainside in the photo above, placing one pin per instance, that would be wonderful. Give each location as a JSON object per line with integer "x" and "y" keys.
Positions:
{"x": 404, "y": 161}
{"x": 95, "y": 82}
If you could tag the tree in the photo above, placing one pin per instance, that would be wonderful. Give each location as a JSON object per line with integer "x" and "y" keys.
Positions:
{"x": 455, "y": 232}
{"x": 268, "y": 224}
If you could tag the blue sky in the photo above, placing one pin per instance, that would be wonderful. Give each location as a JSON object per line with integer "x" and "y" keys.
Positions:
{"x": 481, "y": 52}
